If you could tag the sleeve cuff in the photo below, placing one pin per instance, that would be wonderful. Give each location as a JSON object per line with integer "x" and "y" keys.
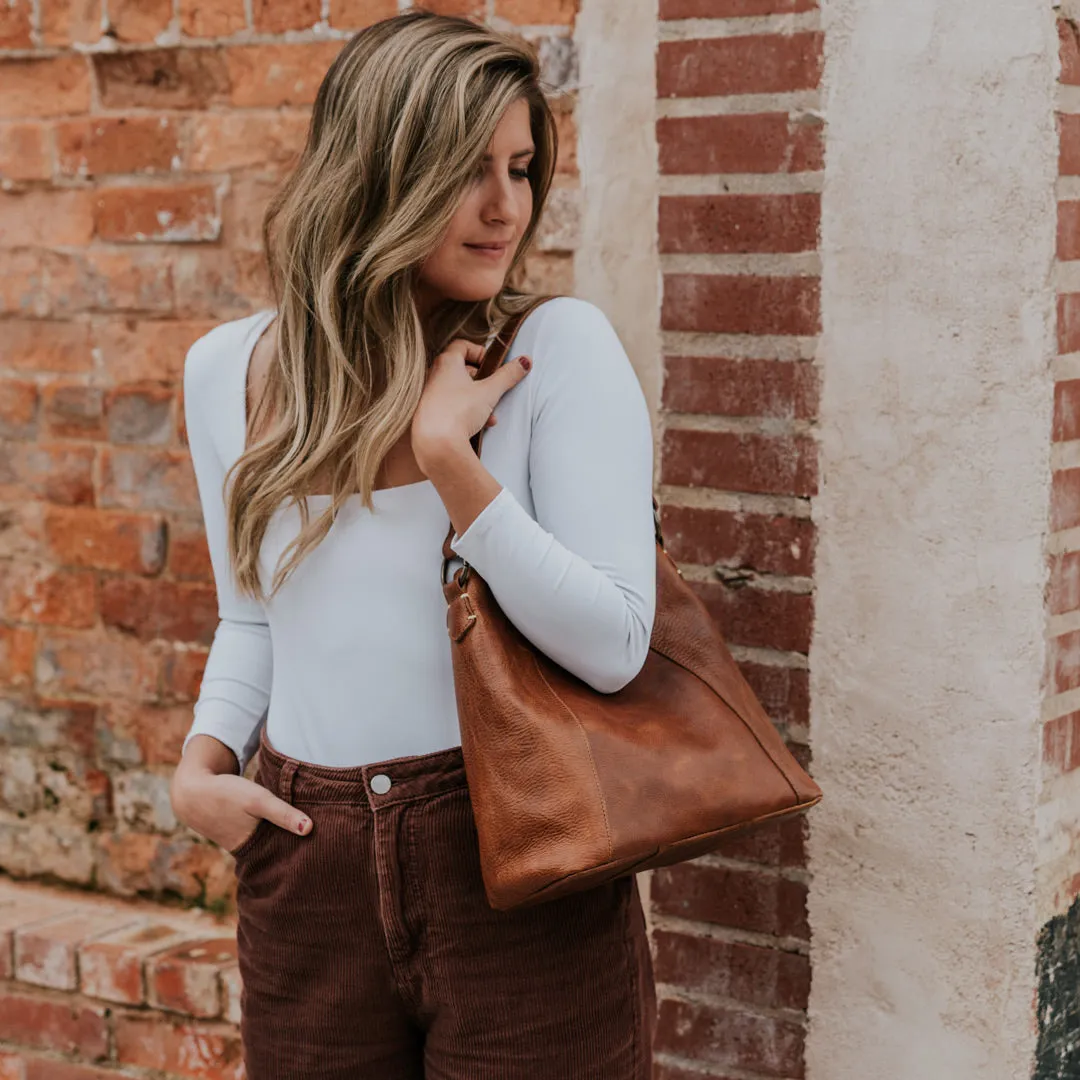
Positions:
{"x": 471, "y": 541}
{"x": 228, "y": 725}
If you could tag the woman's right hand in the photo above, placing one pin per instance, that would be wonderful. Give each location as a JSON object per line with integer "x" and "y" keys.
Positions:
{"x": 226, "y": 808}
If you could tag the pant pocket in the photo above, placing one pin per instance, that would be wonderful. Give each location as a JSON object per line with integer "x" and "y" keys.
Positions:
{"x": 248, "y": 845}
{"x": 255, "y": 838}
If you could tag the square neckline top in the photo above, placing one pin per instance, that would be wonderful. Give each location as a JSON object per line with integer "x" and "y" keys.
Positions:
{"x": 377, "y": 494}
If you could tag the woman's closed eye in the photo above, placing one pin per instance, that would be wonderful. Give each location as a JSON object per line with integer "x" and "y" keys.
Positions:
{"x": 520, "y": 173}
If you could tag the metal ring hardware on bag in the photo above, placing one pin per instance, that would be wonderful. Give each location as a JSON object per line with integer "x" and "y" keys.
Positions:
{"x": 463, "y": 580}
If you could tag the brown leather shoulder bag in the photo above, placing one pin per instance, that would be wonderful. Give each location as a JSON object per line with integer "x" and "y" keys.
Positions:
{"x": 571, "y": 787}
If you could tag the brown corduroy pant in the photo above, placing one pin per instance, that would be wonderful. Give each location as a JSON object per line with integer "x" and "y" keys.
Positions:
{"x": 368, "y": 949}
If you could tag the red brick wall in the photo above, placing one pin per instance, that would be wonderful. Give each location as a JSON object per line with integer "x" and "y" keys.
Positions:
{"x": 137, "y": 151}
{"x": 89, "y": 987}
{"x": 740, "y": 162}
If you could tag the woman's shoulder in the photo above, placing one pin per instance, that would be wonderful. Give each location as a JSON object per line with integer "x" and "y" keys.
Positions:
{"x": 212, "y": 355}
{"x": 567, "y": 323}
{"x": 568, "y": 336}
{"x": 581, "y": 375}
{"x": 214, "y": 385}
{"x": 561, "y": 315}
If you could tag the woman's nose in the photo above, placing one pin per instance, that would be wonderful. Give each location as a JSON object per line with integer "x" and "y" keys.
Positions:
{"x": 501, "y": 205}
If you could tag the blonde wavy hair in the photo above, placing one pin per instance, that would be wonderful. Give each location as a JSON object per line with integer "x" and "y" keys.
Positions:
{"x": 400, "y": 124}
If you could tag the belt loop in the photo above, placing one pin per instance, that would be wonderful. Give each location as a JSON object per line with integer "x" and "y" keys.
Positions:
{"x": 285, "y": 780}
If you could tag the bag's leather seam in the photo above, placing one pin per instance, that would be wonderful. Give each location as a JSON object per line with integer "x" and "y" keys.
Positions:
{"x": 588, "y": 749}
{"x": 768, "y": 753}
{"x": 749, "y": 727}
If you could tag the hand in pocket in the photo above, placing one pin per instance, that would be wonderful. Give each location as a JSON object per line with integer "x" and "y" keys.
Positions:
{"x": 227, "y": 808}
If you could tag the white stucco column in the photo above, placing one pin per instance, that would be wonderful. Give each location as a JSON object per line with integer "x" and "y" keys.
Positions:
{"x": 616, "y": 264}
{"x": 928, "y": 652}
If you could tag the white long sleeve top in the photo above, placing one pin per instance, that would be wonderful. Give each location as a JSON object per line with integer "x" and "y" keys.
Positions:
{"x": 350, "y": 663}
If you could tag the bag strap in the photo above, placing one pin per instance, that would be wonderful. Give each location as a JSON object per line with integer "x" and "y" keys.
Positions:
{"x": 497, "y": 350}
{"x": 493, "y": 358}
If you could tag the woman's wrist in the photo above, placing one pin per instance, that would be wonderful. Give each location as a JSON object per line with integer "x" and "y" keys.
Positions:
{"x": 459, "y": 476}
{"x": 207, "y": 754}
{"x": 432, "y": 451}
{"x": 205, "y": 757}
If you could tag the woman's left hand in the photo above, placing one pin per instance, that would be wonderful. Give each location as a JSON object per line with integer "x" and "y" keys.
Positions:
{"x": 455, "y": 405}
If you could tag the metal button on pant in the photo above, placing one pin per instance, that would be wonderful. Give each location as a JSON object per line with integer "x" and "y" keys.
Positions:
{"x": 380, "y": 783}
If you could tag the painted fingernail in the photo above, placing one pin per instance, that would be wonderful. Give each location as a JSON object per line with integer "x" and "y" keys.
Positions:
{"x": 303, "y": 825}
{"x": 525, "y": 362}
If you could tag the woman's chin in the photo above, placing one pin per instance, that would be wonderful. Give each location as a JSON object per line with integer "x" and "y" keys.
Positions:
{"x": 476, "y": 287}
{"x": 469, "y": 290}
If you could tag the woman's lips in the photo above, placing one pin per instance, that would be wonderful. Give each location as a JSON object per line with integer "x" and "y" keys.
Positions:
{"x": 490, "y": 251}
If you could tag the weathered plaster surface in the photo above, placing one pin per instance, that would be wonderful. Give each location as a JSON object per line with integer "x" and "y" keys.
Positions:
{"x": 927, "y": 659}
{"x": 1058, "y": 819}
{"x": 616, "y": 264}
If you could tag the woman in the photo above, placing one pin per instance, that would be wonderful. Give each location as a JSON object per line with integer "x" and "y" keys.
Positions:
{"x": 330, "y": 440}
